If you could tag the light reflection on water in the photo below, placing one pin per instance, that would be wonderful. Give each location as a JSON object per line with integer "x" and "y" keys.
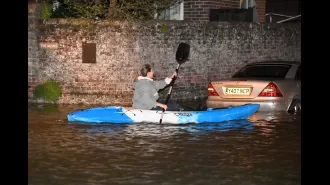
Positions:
{"x": 262, "y": 150}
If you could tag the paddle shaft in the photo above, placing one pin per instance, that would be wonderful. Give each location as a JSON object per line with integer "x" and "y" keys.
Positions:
{"x": 169, "y": 92}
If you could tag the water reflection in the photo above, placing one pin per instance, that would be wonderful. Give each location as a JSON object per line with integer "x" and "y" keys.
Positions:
{"x": 163, "y": 130}
{"x": 274, "y": 117}
{"x": 238, "y": 125}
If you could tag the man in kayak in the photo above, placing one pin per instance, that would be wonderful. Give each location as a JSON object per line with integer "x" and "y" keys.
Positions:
{"x": 146, "y": 90}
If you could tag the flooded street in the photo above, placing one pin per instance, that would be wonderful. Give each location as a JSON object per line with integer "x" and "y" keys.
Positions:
{"x": 264, "y": 150}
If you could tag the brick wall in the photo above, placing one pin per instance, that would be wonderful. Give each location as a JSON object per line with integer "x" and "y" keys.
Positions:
{"x": 199, "y": 10}
{"x": 33, "y": 48}
{"x": 261, "y": 8}
{"x": 217, "y": 51}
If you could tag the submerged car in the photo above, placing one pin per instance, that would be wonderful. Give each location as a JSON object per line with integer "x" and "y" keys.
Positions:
{"x": 275, "y": 85}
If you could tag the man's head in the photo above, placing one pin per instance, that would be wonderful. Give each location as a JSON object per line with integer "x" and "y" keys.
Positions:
{"x": 146, "y": 71}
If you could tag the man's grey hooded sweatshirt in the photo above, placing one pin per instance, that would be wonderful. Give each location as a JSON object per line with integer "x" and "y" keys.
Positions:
{"x": 146, "y": 92}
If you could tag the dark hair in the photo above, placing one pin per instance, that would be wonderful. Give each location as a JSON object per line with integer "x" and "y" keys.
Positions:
{"x": 145, "y": 70}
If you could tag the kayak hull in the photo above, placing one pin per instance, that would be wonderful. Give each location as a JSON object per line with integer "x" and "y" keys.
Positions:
{"x": 118, "y": 114}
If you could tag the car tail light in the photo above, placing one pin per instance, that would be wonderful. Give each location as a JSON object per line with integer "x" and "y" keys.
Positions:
{"x": 271, "y": 90}
{"x": 211, "y": 91}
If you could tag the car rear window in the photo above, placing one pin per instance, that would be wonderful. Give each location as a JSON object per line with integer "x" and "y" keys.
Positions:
{"x": 277, "y": 71}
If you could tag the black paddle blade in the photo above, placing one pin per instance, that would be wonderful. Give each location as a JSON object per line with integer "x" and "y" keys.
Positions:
{"x": 182, "y": 53}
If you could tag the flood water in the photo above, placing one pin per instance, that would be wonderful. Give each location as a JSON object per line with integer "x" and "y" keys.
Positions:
{"x": 263, "y": 150}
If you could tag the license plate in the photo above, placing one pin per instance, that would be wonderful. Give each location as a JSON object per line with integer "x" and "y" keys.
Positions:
{"x": 238, "y": 91}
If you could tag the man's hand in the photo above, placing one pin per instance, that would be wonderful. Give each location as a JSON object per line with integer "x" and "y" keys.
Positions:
{"x": 162, "y": 105}
{"x": 174, "y": 74}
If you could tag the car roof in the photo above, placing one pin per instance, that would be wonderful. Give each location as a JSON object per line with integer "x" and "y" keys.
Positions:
{"x": 275, "y": 62}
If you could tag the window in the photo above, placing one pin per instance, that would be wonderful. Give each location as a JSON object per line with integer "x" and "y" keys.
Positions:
{"x": 174, "y": 12}
{"x": 276, "y": 71}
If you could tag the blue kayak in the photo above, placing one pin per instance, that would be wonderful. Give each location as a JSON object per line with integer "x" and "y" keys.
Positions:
{"x": 118, "y": 114}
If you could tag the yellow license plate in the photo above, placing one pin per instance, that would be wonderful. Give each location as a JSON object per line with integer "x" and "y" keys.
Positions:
{"x": 238, "y": 91}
